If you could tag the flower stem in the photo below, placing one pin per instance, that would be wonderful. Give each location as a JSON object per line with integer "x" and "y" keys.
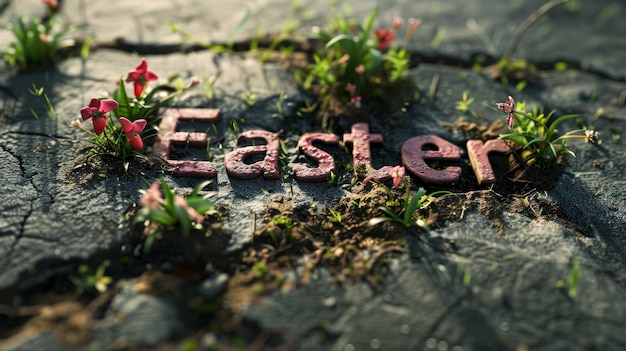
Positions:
{"x": 528, "y": 22}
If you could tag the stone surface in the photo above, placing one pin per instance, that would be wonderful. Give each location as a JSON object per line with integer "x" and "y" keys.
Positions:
{"x": 212, "y": 287}
{"x": 446, "y": 32}
{"x": 133, "y": 314}
{"x": 489, "y": 295}
{"x": 134, "y": 319}
{"x": 52, "y": 222}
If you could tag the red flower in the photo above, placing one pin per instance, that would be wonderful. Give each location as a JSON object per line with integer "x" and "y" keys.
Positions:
{"x": 397, "y": 173}
{"x": 384, "y": 37}
{"x": 133, "y": 130}
{"x": 53, "y": 5}
{"x": 140, "y": 77}
{"x": 97, "y": 110}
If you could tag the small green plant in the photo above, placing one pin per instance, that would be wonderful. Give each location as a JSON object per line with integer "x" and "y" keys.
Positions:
{"x": 357, "y": 204}
{"x": 279, "y": 106}
{"x": 438, "y": 38}
{"x": 249, "y": 98}
{"x": 121, "y": 136}
{"x": 463, "y": 105}
{"x": 537, "y": 137}
{"x": 572, "y": 280}
{"x": 284, "y": 222}
{"x": 159, "y": 204}
{"x": 39, "y": 92}
{"x": 334, "y": 179}
{"x": 358, "y": 63}
{"x": 420, "y": 200}
{"x": 92, "y": 281}
{"x": 37, "y": 44}
{"x": 121, "y": 140}
{"x": 335, "y": 216}
{"x": 259, "y": 269}
{"x": 278, "y": 42}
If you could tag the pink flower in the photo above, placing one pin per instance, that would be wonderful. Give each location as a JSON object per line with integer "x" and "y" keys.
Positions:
{"x": 397, "y": 173}
{"x": 193, "y": 81}
{"x": 140, "y": 77}
{"x": 397, "y": 23}
{"x": 509, "y": 108}
{"x": 351, "y": 88}
{"x": 343, "y": 59}
{"x": 97, "y": 110}
{"x": 360, "y": 69}
{"x": 414, "y": 24}
{"x": 133, "y": 131}
{"x": 591, "y": 136}
{"x": 191, "y": 212}
{"x": 384, "y": 37}
{"x": 152, "y": 197}
{"x": 75, "y": 123}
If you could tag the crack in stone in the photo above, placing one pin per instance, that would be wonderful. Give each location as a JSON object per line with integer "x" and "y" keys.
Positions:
{"x": 32, "y": 183}
{"x": 310, "y": 46}
{"x": 19, "y": 159}
{"x": 21, "y": 132}
{"x": 38, "y": 134}
{"x": 31, "y": 180}
{"x": 20, "y": 234}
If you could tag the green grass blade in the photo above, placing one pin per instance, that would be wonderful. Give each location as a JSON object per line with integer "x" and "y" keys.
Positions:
{"x": 183, "y": 219}
{"x": 240, "y": 26}
{"x": 556, "y": 124}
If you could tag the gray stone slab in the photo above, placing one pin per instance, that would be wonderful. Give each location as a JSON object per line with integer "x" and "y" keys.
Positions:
{"x": 45, "y": 220}
{"x": 586, "y": 34}
{"x": 135, "y": 319}
{"x": 132, "y": 313}
{"x": 510, "y": 298}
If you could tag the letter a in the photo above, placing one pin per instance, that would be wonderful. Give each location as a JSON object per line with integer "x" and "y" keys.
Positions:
{"x": 268, "y": 167}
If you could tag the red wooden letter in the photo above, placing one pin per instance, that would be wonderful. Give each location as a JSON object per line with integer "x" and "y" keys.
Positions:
{"x": 326, "y": 164}
{"x": 414, "y": 159}
{"x": 479, "y": 157}
{"x": 168, "y": 136}
{"x": 268, "y": 167}
{"x": 361, "y": 154}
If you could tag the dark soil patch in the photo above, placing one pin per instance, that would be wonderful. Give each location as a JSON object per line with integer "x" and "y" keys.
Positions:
{"x": 84, "y": 169}
{"x": 302, "y": 239}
